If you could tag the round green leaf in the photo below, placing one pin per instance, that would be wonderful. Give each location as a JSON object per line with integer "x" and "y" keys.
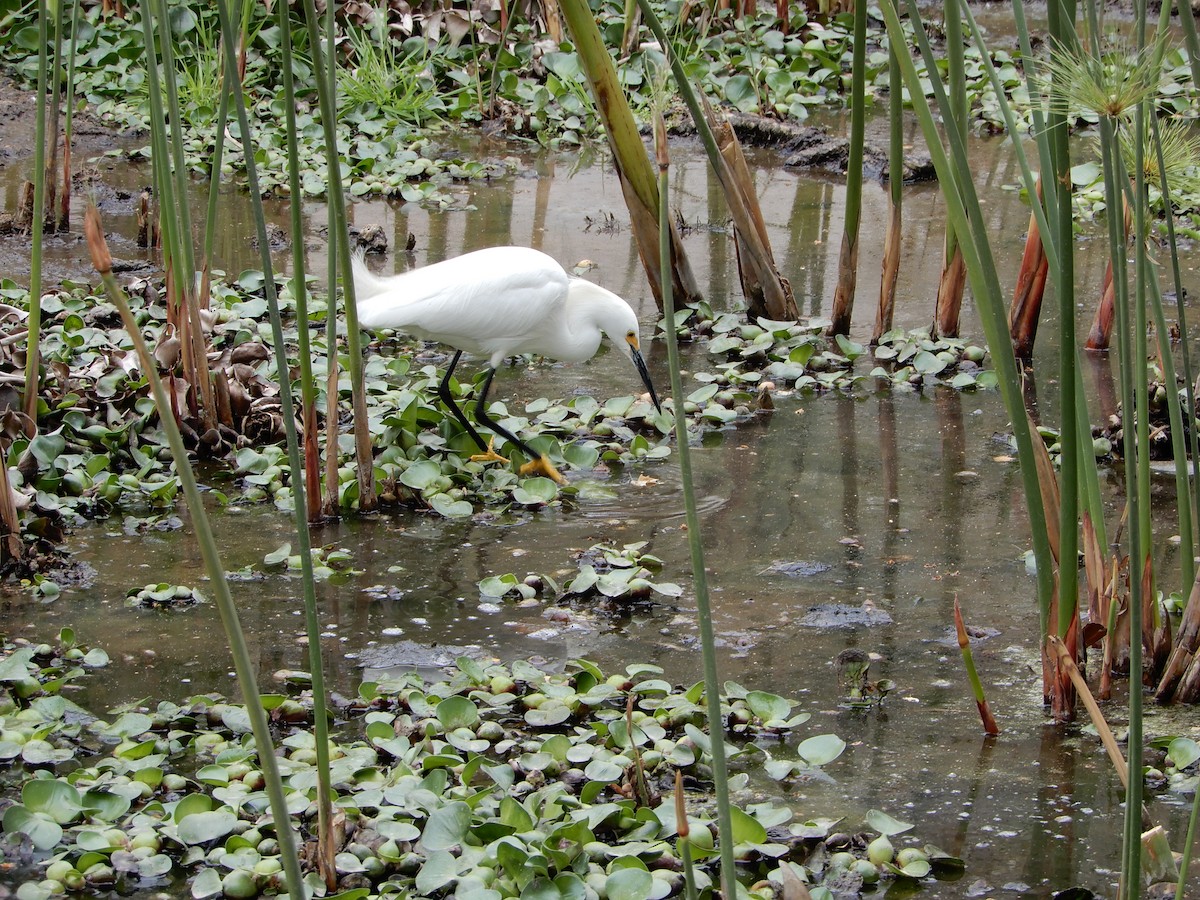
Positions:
{"x": 822, "y": 749}
{"x": 457, "y": 712}
{"x": 446, "y": 827}
{"x": 43, "y": 831}
{"x": 202, "y": 827}
{"x": 629, "y": 884}
{"x": 444, "y": 505}
{"x": 880, "y": 821}
{"x": 57, "y": 799}
{"x": 206, "y": 884}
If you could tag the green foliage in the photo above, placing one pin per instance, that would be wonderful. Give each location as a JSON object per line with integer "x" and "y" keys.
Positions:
{"x": 496, "y": 781}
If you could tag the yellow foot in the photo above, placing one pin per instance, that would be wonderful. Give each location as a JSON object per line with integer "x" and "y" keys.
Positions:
{"x": 490, "y": 456}
{"x": 543, "y": 466}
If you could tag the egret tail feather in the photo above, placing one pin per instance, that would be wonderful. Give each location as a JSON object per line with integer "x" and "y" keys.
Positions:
{"x": 366, "y": 283}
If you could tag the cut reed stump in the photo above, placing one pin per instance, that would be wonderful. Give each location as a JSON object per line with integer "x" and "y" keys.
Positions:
{"x": 1026, "y": 307}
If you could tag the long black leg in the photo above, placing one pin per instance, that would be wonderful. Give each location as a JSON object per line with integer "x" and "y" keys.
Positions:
{"x": 448, "y": 400}
{"x": 482, "y": 416}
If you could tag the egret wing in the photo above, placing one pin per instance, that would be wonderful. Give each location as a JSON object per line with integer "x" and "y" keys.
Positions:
{"x": 496, "y": 301}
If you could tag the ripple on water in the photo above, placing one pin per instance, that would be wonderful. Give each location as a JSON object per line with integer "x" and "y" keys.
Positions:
{"x": 641, "y": 496}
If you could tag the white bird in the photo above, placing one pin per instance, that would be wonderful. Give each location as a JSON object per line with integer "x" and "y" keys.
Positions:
{"x": 500, "y": 302}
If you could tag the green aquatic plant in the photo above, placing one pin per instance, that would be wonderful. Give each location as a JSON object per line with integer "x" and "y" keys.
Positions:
{"x": 394, "y": 82}
{"x": 490, "y": 781}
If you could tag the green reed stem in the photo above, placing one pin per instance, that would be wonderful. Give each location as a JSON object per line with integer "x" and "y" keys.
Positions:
{"x": 324, "y": 63}
{"x": 1190, "y": 39}
{"x": 1061, "y": 24}
{"x": 1192, "y": 448}
{"x": 965, "y": 214}
{"x": 33, "y": 362}
{"x": 242, "y": 663}
{"x": 170, "y": 178}
{"x": 1044, "y": 213}
{"x": 712, "y": 683}
{"x": 1187, "y": 562}
{"x": 178, "y": 167}
{"x": 844, "y": 293}
{"x": 218, "y": 159}
{"x": 308, "y": 388}
{"x": 68, "y": 124}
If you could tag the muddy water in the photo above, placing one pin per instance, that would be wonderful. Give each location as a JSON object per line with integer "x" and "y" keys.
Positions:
{"x": 900, "y": 501}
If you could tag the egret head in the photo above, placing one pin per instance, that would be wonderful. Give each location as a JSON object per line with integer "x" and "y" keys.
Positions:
{"x": 621, "y": 326}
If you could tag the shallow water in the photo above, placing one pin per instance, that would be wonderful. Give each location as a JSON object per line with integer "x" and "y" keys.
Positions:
{"x": 900, "y": 500}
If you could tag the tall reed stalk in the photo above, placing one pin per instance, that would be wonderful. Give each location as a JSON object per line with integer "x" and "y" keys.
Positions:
{"x": 891, "y": 243}
{"x": 953, "y": 281}
{"x": 170, "y": 177}
{"x": 843, "y": 295}
{"x": 1062, "y": 26}
{"x": 712, "y": 683}
{"x": 64, "y": 197}
{"x": 635, "y": 171}
{"x": 287, "y": 409}
{"x": 324, "y": 66}
{"x": 767, "y": 292}
{"x": 33, "y": 361}
{"x": 243, "y": 665}
{"x": 965, "y": 214}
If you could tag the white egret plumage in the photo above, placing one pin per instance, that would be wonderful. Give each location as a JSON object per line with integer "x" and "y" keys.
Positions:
{"x": 500, "y": 302}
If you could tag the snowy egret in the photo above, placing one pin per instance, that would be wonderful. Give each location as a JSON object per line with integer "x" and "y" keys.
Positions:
{"x": 500, "y": 302}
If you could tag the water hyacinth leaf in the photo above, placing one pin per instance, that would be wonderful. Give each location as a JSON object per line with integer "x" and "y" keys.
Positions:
{"x": 514, "y": 814}
{"x": 105, "y": 805}
{"x": 497, "y": 585}
{"x": 16, "y": 666}
{"x": 206, "y": 884}
{"x": 928, "y": 363}
{"x": 822, "y": 750}
{"x": 880, "y": 821}
{"x": 541, "y": 888}
{"x": 917, "y": 868}
{"x": 581, "y": 456}
{"x": 236, "y": 719}
{"x": 154, "y": 866}
{"x": 570, "y": 886}
{"x": 446, "y": 827}
{"x": 850, "y": 349}
{"x": 471, "y": 669}
{"x": 95, "y": 658}
{"x": 39, "y": 753}
{"x": 779, "y": 769}
{"x": 279, "y": 556}
{"x": 629, "y": 884}
{"x": 602, "y": 770}
{"x": 768, "y": 707}
{"x": 43, "y": 832}
{"x": 421, "y": 474}
{"x": 535, "y": 491}
{"x": 447, "y": 506}
{"x": 56, "y": 799}
{"x": 943, "y": 861}
{"x": 202, "y": 827}
{"x": 92, "y": 841}
{"x": 457, "y": 712}
{"x": 548, "y": 714}
{"x": 746, "y": 828}
{"x": 583, "y": 582}
{"x": 1183, "y": 752}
